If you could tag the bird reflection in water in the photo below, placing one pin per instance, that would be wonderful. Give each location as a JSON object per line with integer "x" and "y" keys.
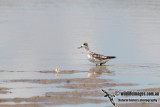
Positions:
{"x": 57, "y": 72}
{"x": 98, "y": 71}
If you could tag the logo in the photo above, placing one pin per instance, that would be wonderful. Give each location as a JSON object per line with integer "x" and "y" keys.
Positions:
{"x": 109, "y": 96}
{"x": 129, "y": 96}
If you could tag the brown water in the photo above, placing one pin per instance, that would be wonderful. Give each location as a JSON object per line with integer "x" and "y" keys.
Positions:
{"x": 44, "y": 34}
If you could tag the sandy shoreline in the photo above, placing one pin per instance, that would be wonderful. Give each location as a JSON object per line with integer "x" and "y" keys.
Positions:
{"x": 4, "y": 90}
{"x": 80, "y": 91}
{"x": 69, "y": 98}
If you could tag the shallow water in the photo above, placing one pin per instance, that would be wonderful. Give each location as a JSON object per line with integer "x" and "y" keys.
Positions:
{"x": 29, "y": 84}
{"x": 40, "y": 35}
{"x": 44, "y": 34}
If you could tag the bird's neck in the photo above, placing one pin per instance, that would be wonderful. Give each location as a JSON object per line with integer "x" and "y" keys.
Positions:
{"x": 87, "y": 49}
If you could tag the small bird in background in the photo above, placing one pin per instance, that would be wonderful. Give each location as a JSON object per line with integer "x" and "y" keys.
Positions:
{"x": 94, "y": 57}
{"x": 57, "y": 72}
{"x": 109, "y": 96}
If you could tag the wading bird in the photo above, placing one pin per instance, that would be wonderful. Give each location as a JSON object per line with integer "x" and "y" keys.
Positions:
{"x": 94, "y": 57}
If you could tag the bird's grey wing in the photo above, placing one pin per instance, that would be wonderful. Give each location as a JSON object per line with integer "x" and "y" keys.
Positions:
{"x": 99, "y": 56}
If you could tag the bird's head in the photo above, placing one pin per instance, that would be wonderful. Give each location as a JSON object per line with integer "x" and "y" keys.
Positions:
{"x": 84, "y": 45}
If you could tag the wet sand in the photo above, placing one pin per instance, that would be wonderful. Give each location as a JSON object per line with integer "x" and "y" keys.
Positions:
{"x": 4, "y": 90}
{"x": 69, "y": 98}
{"x": 20, "y": 105}
{"x": 76, "y": 91}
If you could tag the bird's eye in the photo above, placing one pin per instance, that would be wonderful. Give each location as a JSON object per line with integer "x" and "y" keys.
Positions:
{"x": 85, "y": 44}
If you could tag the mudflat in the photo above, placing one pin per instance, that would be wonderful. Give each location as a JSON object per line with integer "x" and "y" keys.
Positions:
{"x": 56, "y": 90}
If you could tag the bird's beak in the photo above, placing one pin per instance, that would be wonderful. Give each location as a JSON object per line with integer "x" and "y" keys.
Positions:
{"x": 80, "y": 47}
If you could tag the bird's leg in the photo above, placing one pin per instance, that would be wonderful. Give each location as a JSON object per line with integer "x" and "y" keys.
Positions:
{"x": 100, "y": 64}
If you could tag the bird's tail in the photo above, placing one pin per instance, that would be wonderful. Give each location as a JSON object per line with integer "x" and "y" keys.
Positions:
{"x": 111, "y": 57}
